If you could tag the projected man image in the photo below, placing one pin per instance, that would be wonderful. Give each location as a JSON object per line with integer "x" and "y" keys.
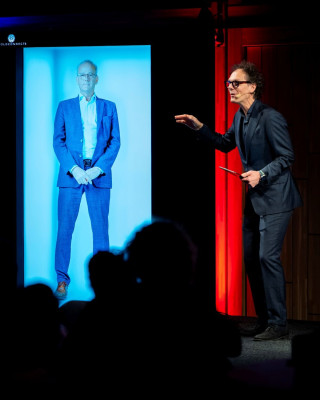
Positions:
{"x": 86, "y": 142}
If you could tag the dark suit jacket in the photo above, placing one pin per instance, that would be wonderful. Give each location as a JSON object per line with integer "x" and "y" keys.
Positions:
{"x": 268, "y": 148}
{"x": 68, "y": 140}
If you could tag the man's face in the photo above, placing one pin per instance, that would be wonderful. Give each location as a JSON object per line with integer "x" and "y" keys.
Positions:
{"x": 240, "y": 90}
{"x": 87, "y": 79}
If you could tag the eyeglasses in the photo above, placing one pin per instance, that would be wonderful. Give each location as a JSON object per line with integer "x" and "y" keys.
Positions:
{"x": 235, "y": 84}
{"x": 89, "y": 76}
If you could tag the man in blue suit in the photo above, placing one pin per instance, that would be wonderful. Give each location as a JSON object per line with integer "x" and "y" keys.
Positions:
{"x": 261, "y": 135}
{"x": 86, "y": 142}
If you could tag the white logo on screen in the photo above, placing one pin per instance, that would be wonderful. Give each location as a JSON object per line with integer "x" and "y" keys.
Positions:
{"x": 11, "y": 38}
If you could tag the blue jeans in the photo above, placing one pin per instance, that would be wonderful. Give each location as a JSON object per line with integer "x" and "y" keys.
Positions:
{"x": 69, "y": 200}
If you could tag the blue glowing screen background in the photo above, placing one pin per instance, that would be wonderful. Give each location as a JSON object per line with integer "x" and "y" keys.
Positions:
{"x": 49, "y": 76}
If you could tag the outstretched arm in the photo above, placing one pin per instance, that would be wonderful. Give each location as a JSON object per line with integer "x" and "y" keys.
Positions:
{"x": 189, "y": 120}
{"x": 223, "y": 143}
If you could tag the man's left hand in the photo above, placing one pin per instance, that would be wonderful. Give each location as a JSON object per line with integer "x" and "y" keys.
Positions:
{"x": 93, "y": 172}
{"x": 251, "y": 177}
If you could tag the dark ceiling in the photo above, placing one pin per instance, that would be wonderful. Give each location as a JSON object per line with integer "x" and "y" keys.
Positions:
{"x": 59, "y": 7}
{"x": 139, "y": 14}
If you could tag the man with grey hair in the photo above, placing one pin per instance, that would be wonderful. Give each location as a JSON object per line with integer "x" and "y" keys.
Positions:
{"x": 86, "y": 142}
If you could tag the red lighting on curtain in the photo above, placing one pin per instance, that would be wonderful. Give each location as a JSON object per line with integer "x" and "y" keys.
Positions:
{"x": 228, "y": 205}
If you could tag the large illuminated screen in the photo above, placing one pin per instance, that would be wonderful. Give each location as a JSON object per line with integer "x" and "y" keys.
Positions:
{"x": 49, "y": 76}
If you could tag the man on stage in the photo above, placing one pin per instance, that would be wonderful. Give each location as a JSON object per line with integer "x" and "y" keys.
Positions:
{"x": 261, "y": 135}
{"x": 86, "y": 142}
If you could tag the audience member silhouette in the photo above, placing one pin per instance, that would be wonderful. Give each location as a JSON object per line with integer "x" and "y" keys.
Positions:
{"x": 163, "y": 259}
{"x": 32, "y": 339}
{"x": 145, "y": 333}
{"x": 305, "y": 361}
{"x": 108, "y": 278}
{"x": 184, "y": 346}
{"x": 97, "y": 343}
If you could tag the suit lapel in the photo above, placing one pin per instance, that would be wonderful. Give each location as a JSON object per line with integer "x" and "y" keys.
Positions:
{"x": 254, "y": 119}
{"x": 100, "y": 105}
{"x": 100, "y": 108}
{"x": 77, "y": 114}
{"x": 238, "y": 133}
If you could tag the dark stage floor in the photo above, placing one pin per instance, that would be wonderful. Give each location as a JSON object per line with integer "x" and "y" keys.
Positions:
{"x": 269, "y": 364}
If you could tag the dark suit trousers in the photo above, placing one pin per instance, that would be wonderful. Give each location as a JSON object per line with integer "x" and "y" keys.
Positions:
{"x": 263, "y": 238}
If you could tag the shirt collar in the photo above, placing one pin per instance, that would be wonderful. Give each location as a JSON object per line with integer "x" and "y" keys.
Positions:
{"x": 92, "y": 100}
{"x": 249, "y": 112}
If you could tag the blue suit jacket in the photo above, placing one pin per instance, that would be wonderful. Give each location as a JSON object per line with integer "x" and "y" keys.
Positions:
{"x": 268, "y": 148}
{"x": 68, "y": 141}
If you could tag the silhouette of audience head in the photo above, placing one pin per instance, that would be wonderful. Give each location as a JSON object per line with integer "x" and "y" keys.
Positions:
{"x": 110, "y": 277}
{"x": 163, "y": 258}
{"x": 35, "y": 322}
{"x": 32, "y": 338}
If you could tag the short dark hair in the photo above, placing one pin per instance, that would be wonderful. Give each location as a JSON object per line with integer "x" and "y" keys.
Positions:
{"x": 254, "y": 76}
